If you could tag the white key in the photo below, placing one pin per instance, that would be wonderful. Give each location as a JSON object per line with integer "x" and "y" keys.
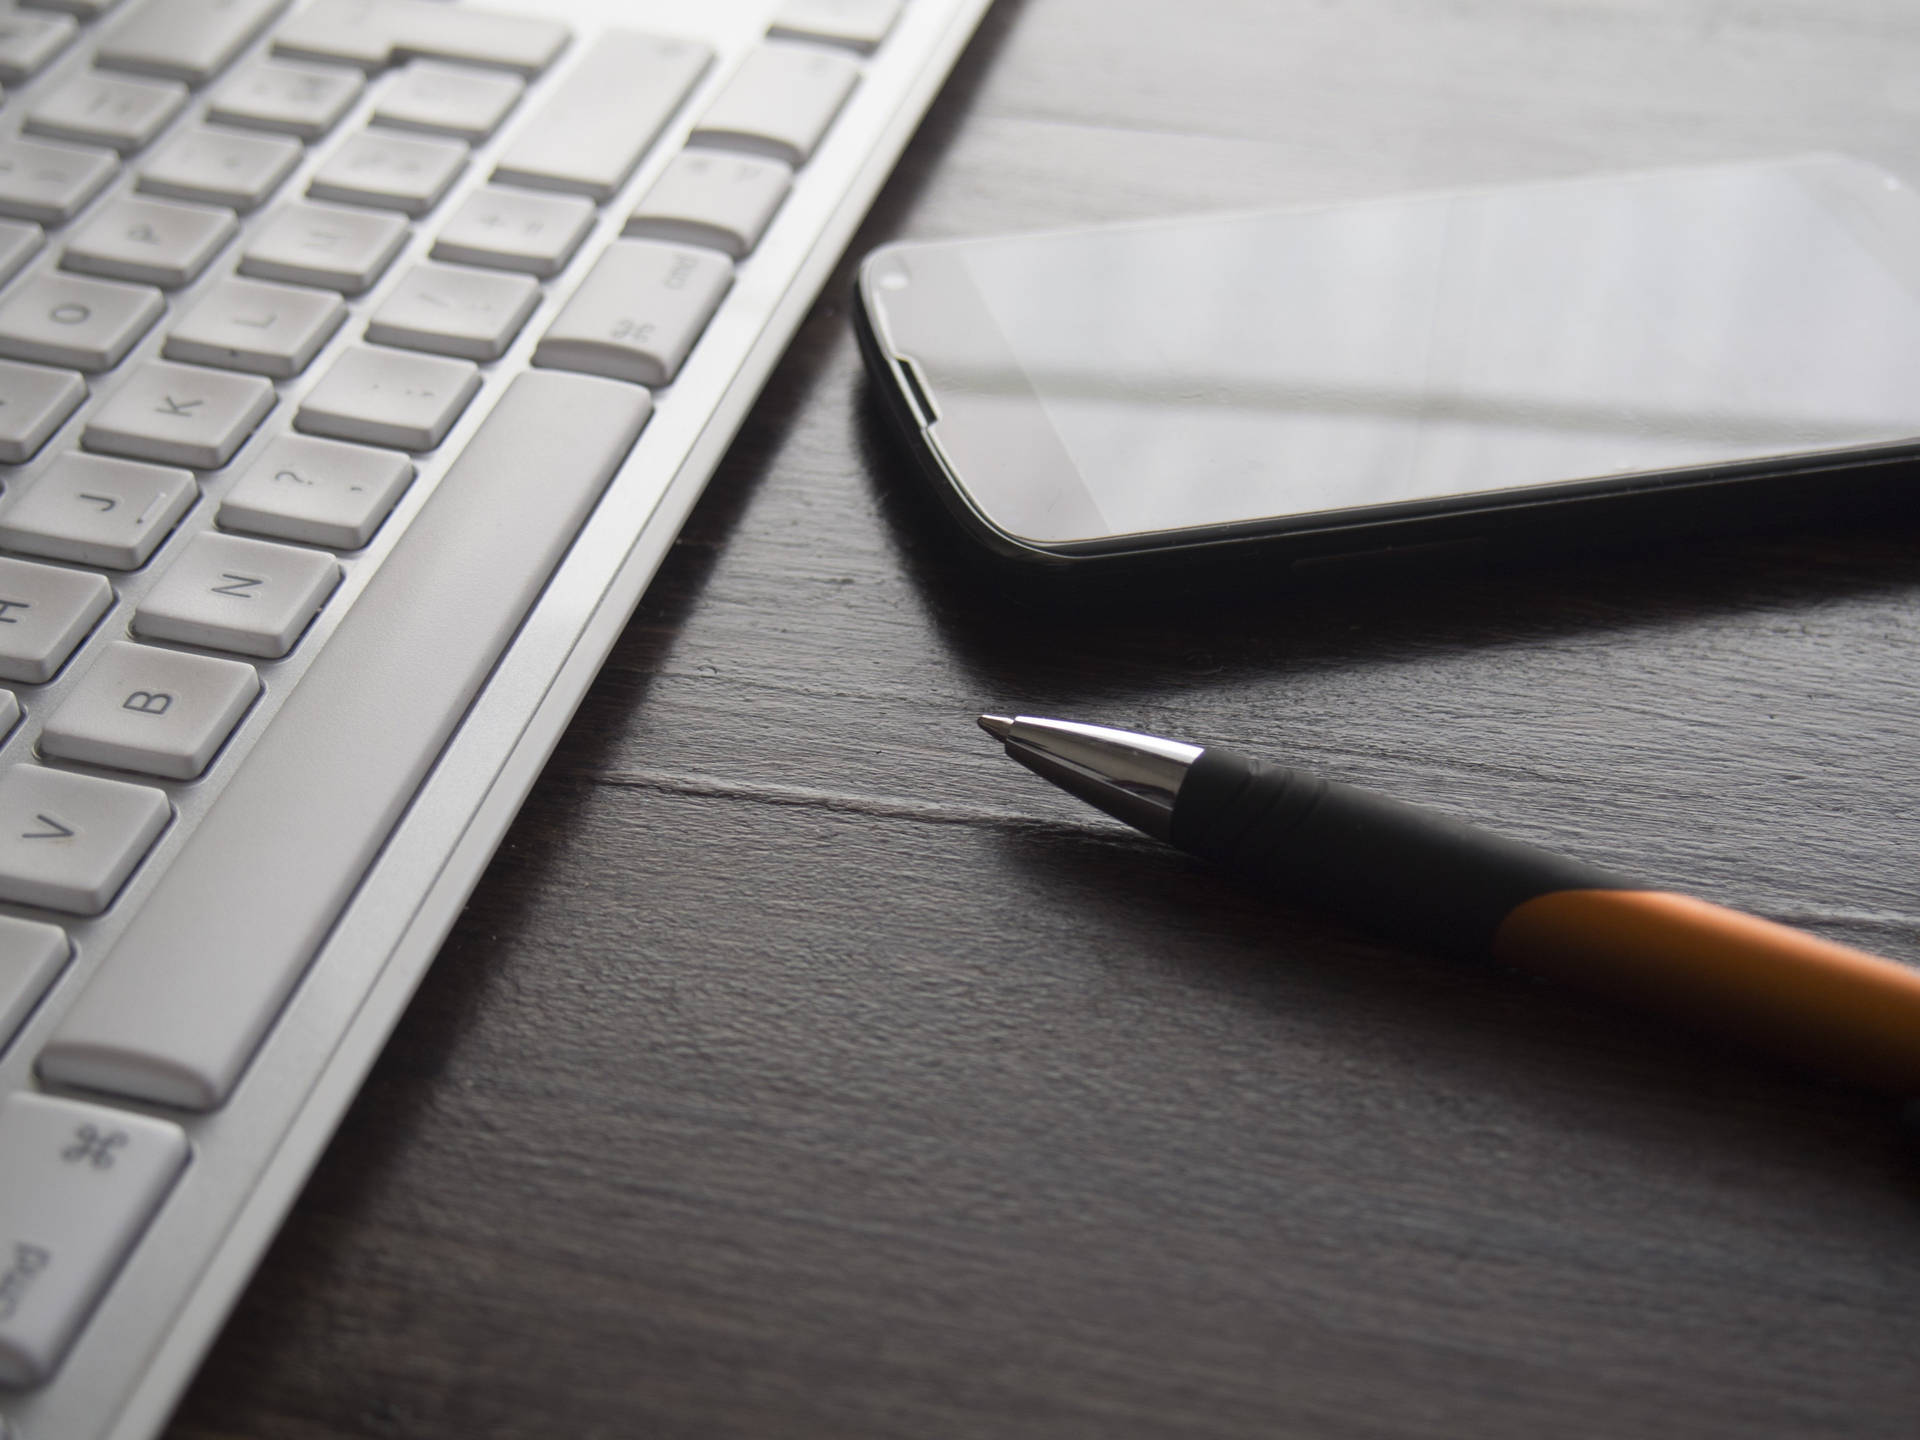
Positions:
{"x": 44, "y": 613}
{"x": 19, "y": 243}
{"x": 590, "y": 133}
{"x": 85, "y": 324}
{"x": 448, "y": 100}
{"x": 68, "y": 842}
{"x": 49, "y": 183}
{"x": 179, "y": 415}
{"x": 160, "y": 712}
{"x": 80, "y": 9}
{"x": 78, "y": 1185}
{"x": 97, "y": 109}
{"x": 161, "y": 242}
{"x": 266, "y": 329}
{"x": 220, "y": 167}
{"x": 324, "y": 245}
{"x": 229, "y": 593}
{"x": 77, "y": 8}
{"x": 382, "y": 397}
{"x": 858, "y": 24}
{"x": 31, "y": 955}
{"x": 374, "y": 34}
{"x": 179, "y": 1005}
{"x": 287, "y": 96}
{"x": 707, "y": 197}
{"x": 190, "y": 40}
{"x": 391, "y": 172}
{"x": 319, "y": 492}
{"x": 780, "y": 102}
{"x": 33, "y": 404}
{"x": 28, "y": 42}
{"x": 95, "y": 511}
{"x": 470, "y": 313}
{"x": 638, "y": 312}
{"x": 512, "y": 230}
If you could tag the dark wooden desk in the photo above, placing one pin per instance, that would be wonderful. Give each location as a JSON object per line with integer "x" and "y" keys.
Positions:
{"x": 802, "y": 1068}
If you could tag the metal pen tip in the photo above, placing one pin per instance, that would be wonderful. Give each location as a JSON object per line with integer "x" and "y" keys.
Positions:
{"x": 998, "y": 726}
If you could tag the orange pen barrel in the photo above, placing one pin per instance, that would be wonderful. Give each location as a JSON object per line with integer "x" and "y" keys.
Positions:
{"x": 1835, "y": 1008}
{"x": 1436, "y": 882}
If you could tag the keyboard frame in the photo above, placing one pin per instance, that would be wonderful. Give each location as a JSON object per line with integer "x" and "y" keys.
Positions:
{"x": 126, "y": 1370}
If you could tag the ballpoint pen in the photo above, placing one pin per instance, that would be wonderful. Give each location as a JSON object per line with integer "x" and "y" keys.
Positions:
{"x": 1422, "y": 877}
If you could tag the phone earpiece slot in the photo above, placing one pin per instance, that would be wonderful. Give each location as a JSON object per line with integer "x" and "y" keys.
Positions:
{"x": 917, "y": 394}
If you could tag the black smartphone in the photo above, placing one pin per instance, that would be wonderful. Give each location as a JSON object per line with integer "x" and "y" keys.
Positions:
{"x": 1368, "y": 376}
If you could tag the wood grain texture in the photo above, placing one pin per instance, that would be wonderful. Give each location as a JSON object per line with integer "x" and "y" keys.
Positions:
{"x": 802, "y": 1068}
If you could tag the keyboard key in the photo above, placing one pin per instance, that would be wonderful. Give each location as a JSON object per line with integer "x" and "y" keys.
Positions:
{"x": 287, "y": 96}
{"x": 49, "y": 183}
{"x": 638, "y": 312}
{"x": 229, "y": 593}
{"x": 87, "y": 325}
{"x": 858, "y": 24}
{"x": 97, "y": 511}
{"x": 324, "y": 245}
{"x": 28, "y": 42}
{"x": 512, "y": 230}
{"x": 19, "y": 243}
{"x": 374, "y": 34}
{"x": 589, "y": 135}
{"x": 96, "y": 109}
{"x": 79, "y": 9}
{"x": 470, "y": 313}
{"x": 713, "y": 199}
{"x": 780, "y": 102}
{"x": 78, "y": 1185}
{"x": 33, "y": 404}
{"x": 266, "y": 329}
{"x": 179, "y": 1005}
{"x": 448, "y": 100}
{"x": 160, "y": 712}
{"x": 382, "y": 397}
{"x": 180, "y": 415}
{"x": 44, "y": 613}
{"x": 220, "y": 167}
{"x": 31, "y": 955}
{"x": 190, "y": 40}
{"x": 160, "y": 242}
{"x": 390, "y": 172}
{"x": 319, "y": 492}
{"x": 68, "y": 843}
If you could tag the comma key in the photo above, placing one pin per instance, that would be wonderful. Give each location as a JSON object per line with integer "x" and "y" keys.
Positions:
{"x": 320, "y": 492}
{"x": 78, "y": 1184}
{"x": 68, "y": 842}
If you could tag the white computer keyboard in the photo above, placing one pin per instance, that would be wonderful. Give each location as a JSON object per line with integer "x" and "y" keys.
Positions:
{"x": 359, "y": 360}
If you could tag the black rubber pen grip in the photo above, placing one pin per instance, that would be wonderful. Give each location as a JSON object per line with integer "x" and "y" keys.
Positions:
{"x": 1397, "y": 869}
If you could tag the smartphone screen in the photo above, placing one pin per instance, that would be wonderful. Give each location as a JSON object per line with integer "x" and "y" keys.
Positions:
{"x": 1252, "y": 369}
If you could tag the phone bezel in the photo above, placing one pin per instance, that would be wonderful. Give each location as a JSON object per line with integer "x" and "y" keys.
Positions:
{"x": 1002, "y": 471}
